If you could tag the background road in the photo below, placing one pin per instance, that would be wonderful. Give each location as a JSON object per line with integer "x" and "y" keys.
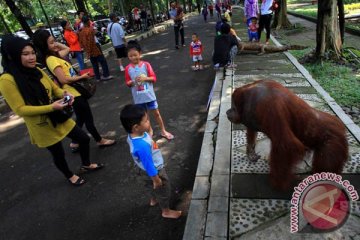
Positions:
{"x": 36, "y": 201}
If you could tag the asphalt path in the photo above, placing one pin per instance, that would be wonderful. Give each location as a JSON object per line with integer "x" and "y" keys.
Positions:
{"x": 36, "y": 202}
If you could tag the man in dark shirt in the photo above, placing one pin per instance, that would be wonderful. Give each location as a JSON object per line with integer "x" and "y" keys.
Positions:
{"x": 143, "y": 17}
{"x": 223, "y": 45}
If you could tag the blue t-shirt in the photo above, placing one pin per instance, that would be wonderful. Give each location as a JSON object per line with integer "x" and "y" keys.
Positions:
{"x": 146, "y": 154}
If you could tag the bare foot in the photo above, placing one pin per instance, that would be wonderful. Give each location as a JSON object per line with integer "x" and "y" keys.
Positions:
{"x": 171, "y": 214}
{"x": 153, "y": 202}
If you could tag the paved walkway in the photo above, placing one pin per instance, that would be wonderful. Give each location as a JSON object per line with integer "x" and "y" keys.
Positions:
{"x": 36, "y": 202}
{"x": 232, "y": 198}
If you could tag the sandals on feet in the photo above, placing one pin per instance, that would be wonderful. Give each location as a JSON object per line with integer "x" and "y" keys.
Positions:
{"x": 106, "y": 143}
{"x": 86, "y": 169}
{"x": 168, "y": 136}
{"x": 78, "y": 182}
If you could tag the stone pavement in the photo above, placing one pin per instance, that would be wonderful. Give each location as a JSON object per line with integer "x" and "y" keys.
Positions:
{"x": 232, "y": 198}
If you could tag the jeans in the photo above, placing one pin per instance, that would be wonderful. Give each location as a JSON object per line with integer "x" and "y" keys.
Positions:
{"x": 58, "y": 154}
{"x": 179, "y": 29}
{"x": 80, "y": 59}
{"x": 95, "y": 63}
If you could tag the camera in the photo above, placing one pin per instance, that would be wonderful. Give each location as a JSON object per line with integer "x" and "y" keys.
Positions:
{"x": 66, "y": 99}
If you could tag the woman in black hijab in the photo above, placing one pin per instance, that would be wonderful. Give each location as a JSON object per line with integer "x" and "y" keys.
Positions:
{"x": 31, "y": 94}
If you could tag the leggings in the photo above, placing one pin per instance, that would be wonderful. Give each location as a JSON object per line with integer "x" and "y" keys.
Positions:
{"x": 84, "y": 115}
{"x": 58, "y": 154}
{"x": 265, "y": 21}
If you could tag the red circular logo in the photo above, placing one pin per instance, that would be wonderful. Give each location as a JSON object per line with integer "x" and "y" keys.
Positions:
{"x": 325, "y": 206}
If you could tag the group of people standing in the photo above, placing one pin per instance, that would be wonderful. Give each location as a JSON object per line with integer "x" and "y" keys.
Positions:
{"x": 38, "y": 98}
{"x": 258, "y": 18}
{"x": 41, "y": 97}
{"x": 82, "y": 37}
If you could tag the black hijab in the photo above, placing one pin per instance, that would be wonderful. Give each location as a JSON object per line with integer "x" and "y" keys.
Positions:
{"x": 27, "y": 79}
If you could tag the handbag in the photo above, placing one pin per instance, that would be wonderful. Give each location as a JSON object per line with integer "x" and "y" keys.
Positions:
{"x": 86, "y": 87}
{"x": 61, "y": 116}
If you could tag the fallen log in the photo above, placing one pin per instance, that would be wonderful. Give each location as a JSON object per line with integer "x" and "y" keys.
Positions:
{"x": 264, "y": 48}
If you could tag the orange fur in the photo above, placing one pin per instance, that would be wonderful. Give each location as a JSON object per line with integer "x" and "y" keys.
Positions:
{"x": 292, "y": 126}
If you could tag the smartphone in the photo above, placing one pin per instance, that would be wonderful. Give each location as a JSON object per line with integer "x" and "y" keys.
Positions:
{"x": 66, "y": 99}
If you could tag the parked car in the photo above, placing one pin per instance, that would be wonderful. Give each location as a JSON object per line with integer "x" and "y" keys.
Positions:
{"x": 22, "y": 34}
{"x": 103, "y": 23}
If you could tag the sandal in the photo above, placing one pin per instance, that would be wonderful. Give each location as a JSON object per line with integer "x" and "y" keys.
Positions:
{"x": 78, "y": 182}
{"x": 106, "y": 143}
{"x": 168, "y": 136}
{"x": 86, "y": 169}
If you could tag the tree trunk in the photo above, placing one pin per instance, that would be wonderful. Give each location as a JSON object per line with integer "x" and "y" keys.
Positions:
{"x": 80, "y": 5}
{"x": 152, "y": 12}
{"x": 6, "y": 26}
{"x": 341, "y": 19}
{"x": 328, "y": 37}
{"x": 280, "y": 19}
{"x": 110, "y": 6}
{"x": 17, "y": 13}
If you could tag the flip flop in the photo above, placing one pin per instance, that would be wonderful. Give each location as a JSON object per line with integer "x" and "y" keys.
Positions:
{"x": 86, "y": 169}
{"x": 78, "y": 182}
{"x": 168, "y": 136}
{"x": 107, "y": 143}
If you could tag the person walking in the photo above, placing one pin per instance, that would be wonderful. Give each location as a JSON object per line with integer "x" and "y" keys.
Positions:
{"x": 143, "y": 18}
{"x": 211, "y": 10}
{"x": 205, "y": 13}
{"x": 32, "y": 95}
{"x": 218, "y": 10}
{"x": 117, "y": 35}
{"x": 72, "y": 40}
{"x": 66, "y": 75}
{"x": 265, "y": 19}
{"x": 177, "y": 15}
{"x": 87, "y": 41}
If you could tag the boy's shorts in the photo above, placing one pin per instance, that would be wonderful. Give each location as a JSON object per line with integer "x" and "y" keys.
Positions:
{"x": 149, "y": 105}
{"x": 121, "y": 52}
{"x": 197, "y": 58}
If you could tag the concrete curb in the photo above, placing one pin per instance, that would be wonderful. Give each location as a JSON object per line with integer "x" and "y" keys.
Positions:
{"x": 348, "y": 122}
{"x": 209, "y": 206}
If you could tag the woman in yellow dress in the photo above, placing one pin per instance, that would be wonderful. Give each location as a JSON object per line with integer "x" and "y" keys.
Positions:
{"x": 32, "y": 95}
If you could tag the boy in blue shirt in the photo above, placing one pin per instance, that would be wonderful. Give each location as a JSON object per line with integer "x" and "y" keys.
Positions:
{"x": 147, "y": 156}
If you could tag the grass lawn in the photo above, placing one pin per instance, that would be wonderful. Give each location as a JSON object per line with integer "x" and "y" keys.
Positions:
{"x": 311, "y": 11}
{"x": 341, "y": 82}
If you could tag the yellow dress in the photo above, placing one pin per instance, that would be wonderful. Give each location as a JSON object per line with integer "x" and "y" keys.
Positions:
{"x": 41, "y": 130}
{"x": 53, "y": 62}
